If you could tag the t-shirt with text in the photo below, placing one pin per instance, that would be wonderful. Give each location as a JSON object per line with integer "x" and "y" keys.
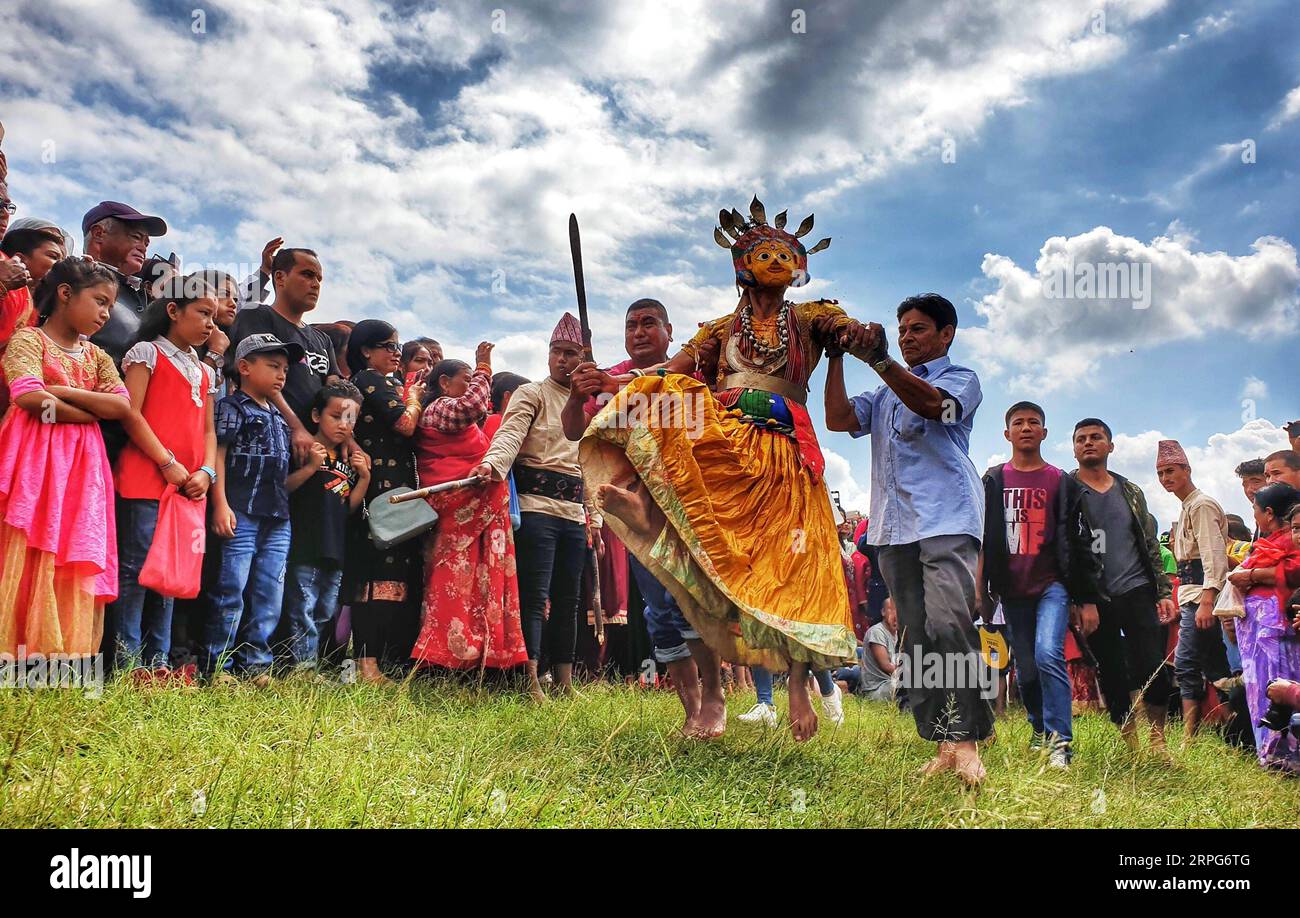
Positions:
{"x": 1030, "y": 508}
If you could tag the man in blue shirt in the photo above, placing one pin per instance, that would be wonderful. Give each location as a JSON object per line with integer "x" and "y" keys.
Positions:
{"x": 927, "y": 517}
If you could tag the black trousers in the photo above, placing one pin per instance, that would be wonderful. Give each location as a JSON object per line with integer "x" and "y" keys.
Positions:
{"x": 549, "y": 557}
{"x": 932, "y": 583}
{"x": 1129, "y": 645}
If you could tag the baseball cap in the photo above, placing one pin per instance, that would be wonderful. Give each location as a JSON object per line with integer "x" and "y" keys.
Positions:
{"x": 154, "y": 226}
{"x": 268, "y": 343}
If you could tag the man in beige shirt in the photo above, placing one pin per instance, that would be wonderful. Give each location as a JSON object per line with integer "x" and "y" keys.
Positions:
{"x": 1199, "y": 542}
{"x": 551, "y": 543}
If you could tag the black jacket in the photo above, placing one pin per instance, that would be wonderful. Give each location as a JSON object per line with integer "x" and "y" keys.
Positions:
{"x": 1080, "y": 566}
{"x": 1144, "y": 531}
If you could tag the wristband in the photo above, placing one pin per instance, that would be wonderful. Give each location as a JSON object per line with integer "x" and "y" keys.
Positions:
{"x": 212, "y": 473}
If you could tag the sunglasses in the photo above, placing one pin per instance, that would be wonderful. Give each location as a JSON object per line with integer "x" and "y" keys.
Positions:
{"x": 391, "y": 346}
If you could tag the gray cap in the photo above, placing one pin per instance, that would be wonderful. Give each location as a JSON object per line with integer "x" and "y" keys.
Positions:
{"x": 268, "y": 343}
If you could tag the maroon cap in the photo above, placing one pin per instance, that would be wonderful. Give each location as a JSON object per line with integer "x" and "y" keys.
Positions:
{"x": 154, "y": 226}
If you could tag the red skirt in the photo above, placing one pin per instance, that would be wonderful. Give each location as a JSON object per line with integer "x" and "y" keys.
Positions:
{"x": 471, "y": 595}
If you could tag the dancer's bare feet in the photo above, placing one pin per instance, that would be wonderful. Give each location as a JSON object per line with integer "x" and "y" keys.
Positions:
{"x": 803, "y": 719}
{"x": 944, "y": 760}
{"x": 710, "y": 720}
{"x": 633, "y": 505}
{"x": 686, "y": 679}
{"x": 967, "y": 764}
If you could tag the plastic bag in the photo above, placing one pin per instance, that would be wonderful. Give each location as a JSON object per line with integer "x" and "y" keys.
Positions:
{"x": 174, "y": 565}
{"x": 1230, "y": 604}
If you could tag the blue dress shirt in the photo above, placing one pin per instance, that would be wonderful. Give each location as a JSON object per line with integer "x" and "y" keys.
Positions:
{"x": 922, "y": 480}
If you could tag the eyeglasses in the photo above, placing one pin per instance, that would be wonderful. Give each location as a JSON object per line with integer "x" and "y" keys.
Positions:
{"x": 391, "y": 346}
{"x": 9, "y": 206}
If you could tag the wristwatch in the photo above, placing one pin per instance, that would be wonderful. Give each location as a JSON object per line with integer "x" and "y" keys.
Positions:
{"x": 218, "y": 360}
{"x": 883, "y": 363}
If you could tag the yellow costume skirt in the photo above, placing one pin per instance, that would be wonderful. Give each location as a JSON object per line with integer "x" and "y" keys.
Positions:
{"x": 44, "y": 607}
{"x": 749, "y": 550}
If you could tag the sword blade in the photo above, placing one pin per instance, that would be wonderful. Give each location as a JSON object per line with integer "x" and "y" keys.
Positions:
{"x": 575, "y": 248}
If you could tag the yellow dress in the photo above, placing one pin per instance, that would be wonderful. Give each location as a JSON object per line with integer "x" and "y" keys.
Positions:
{"x": 750, "y": 549}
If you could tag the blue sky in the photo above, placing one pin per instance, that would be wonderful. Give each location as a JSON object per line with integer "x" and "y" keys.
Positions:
{"x": 432, "y": 155}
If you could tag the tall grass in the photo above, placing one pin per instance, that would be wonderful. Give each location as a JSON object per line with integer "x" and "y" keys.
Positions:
{"x": 439, "y": 755}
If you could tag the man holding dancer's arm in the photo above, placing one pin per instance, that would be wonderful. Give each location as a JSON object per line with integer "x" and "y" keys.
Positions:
{"x": 927, "y": 511}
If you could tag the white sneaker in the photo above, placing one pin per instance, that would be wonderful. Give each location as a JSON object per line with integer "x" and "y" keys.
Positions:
{"x": 1060, "y": 756}
{"x": 760, "y": 713}
{"x": 833, "y": 705}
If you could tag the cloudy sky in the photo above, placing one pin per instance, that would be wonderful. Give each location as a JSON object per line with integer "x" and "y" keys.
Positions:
{"x": 432, "y": 155}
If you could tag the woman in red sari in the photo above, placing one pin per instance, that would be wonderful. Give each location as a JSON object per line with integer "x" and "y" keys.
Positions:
{"x": 471, "y": 596}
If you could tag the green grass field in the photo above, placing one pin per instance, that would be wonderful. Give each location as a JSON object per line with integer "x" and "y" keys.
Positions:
{"x": 301, "y": 755}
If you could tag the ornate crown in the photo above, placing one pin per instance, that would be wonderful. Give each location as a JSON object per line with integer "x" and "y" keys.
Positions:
{"x": 745, "y": 234}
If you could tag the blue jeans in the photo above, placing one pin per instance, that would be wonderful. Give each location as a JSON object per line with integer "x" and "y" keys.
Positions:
{"x": 311, "y": 597}
{"x": 254, "y": 560}
{"x": 1038, "y": 641}
{"x": 669, "y": 630}
{"x": 763, "y": 683}
{"x": 142, "y": 619}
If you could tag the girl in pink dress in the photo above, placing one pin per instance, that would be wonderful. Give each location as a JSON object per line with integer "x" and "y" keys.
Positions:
{"x": 58, "y": 545}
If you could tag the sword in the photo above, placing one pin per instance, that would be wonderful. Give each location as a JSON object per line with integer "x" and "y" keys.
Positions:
{"x": 422, "y": 493}
{"x": 575, "y": 249}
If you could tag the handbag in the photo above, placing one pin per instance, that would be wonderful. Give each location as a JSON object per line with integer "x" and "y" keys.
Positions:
{"x": 174, "y": 565}
{"x": 392, "y": 524}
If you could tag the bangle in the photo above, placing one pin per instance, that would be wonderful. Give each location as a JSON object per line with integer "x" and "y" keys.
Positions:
{"x": 635, "y": 372}
{"x": 171, "y": 460}
{"x": 212, "y": 473}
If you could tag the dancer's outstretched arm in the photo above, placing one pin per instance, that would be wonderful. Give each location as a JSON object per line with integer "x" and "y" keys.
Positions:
{"x": 839, "y": 410}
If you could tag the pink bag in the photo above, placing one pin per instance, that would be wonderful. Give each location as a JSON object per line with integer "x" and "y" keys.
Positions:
{"x": 174, "y": 565}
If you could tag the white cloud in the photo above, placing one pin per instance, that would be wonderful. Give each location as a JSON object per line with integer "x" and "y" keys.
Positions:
{"x": 1288, "y": 111}
{"x": 840, "y": 477}
{"x": 288, "y": 119}
{"x": 1045, "y": 340}
{"x": 1212, "y": 465}
{"x": 1254, "y": 387}
{"x": 1205, "y": 27}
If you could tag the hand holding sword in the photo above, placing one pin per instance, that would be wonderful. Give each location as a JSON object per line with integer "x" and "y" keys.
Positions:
{"x": 593, "y": 535}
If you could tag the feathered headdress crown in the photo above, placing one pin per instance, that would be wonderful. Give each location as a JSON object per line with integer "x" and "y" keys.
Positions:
{"x": 745, "y": 234}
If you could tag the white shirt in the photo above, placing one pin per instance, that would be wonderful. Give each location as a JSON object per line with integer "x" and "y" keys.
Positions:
{"x": 186, "y": 361}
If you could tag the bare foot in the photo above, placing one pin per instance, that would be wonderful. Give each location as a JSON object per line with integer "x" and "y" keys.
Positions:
{"x": 944, "y": 760}
{"x": 1129, "y": 733}
{"x": 803, "y": 719}
{"x": 534, "y": 685}
{"x": 633, "y": 505}
{"x": 710, "y": 721}
{"x": 686, "y": 679}
{"x": 967, "y": 764}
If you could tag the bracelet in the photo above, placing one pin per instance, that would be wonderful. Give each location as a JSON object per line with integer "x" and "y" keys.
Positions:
{"x": 171, "y": 460}
{"x": 635, "y": 372}
{"x": 212, "y": 473}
